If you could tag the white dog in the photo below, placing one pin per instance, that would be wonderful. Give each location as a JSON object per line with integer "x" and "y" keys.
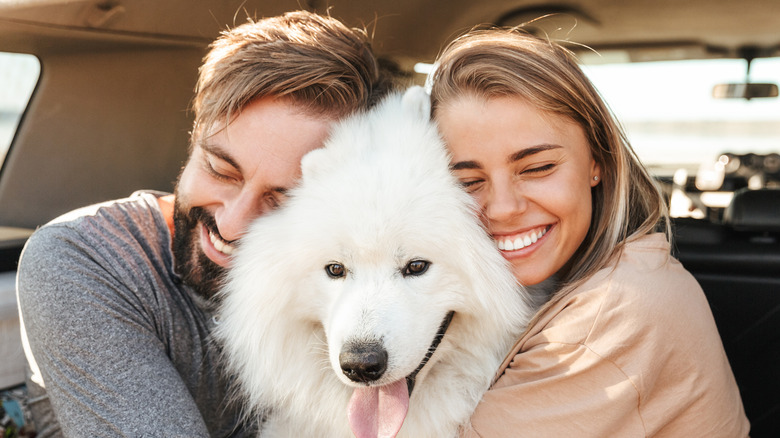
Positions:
{"x": 373, "y": 303}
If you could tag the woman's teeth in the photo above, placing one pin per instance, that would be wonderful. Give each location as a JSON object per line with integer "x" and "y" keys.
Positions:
{"x": 519, "y": 242}
{"x": 221, "y": 245}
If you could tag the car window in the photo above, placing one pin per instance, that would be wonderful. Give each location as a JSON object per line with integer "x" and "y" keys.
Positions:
{"x": 702, "y": 147}
{"x": 18, "y": 75}
{"x": 673, "y": 121}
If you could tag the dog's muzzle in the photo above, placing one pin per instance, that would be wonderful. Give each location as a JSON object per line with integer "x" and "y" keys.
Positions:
{"x": 366, "y": 362}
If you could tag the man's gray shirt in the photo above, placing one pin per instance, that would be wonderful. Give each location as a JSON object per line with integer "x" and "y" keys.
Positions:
{"x": 121, "y": 345}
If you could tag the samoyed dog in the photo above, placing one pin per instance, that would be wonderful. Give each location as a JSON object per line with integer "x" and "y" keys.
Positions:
{"x": 373, "y": 303}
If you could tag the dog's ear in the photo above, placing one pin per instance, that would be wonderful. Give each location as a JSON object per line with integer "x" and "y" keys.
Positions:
{"x": 417, "y": 101}
{"x": 312, "y": 161}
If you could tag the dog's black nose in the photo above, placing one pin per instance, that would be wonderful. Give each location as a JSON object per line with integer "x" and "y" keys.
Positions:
{"x": 363, "y": 361}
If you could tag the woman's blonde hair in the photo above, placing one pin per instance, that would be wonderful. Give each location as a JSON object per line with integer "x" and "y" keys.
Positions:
{"x": 316, "y": 61}
{"x": 508, "y": 62}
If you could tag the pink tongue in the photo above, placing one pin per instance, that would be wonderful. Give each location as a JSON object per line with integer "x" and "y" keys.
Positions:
{"x": 378, "y": 412}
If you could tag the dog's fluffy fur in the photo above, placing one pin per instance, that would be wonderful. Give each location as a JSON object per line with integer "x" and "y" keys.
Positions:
{"x": 378, "y": 196}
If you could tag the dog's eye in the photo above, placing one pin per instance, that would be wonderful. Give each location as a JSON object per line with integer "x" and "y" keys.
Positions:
{"x": 335, "y": 270}
{"x": 416, "y": 267}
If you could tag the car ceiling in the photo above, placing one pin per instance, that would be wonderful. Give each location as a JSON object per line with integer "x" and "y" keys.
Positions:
{"x": 409, "y": 31}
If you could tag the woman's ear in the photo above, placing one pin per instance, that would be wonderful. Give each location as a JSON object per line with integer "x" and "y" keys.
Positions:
{"x": 595, "y": 174}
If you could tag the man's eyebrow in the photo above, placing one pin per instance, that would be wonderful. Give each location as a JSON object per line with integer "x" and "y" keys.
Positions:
{"x": 219, "y": 152}
{"x": 519, "y": 155}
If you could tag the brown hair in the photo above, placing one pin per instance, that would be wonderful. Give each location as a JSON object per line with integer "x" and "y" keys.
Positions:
{"x": 315, "y": 61}
{"x": 508, "y": 62}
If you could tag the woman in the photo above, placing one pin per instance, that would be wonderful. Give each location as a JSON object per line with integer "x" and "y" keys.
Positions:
{"x": 625, "y": 345}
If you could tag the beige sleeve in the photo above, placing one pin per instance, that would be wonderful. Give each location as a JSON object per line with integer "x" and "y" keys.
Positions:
{"x": 560, "y": 390}
{"x": 633, "y": 352}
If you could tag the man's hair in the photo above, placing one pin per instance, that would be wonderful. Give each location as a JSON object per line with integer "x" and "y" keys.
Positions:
{"x": 507, "y": 62}
{"x": 315, "y": 61}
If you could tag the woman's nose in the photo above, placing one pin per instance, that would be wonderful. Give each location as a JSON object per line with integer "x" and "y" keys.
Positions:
{"x": 504, "y": 202}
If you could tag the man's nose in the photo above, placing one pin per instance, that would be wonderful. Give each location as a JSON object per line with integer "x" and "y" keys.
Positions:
{"x": 235, "y": 216}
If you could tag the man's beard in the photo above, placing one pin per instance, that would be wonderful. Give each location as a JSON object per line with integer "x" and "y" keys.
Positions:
{"x": 196, "y": 270}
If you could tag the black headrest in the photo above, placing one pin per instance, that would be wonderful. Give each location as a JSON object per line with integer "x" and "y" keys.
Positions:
{"x": 754, "y": 210}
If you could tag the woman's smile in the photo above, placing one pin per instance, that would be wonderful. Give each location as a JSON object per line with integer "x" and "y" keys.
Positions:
{"x": 518, "y": 241}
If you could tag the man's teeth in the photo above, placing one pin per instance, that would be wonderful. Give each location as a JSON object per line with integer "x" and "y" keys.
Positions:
{"x": 221, "y": 245}
{"x": 520, "y": 242}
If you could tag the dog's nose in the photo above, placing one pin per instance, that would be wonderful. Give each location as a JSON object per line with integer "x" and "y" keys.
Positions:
{"x": 363, "y": 361}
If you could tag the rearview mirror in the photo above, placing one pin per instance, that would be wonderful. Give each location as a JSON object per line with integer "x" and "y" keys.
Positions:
{"x": 744, "y": 91}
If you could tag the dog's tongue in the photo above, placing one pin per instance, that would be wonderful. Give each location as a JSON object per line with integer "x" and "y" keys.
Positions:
{"x": 378, "y": 412}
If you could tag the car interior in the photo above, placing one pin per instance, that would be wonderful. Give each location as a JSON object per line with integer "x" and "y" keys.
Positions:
{"x": 95, "y": 95}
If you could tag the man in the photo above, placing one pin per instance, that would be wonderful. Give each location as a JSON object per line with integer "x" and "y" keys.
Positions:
{"x": 117, "y": 299}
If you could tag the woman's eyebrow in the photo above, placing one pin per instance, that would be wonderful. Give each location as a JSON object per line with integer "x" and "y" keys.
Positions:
{"x": 519, "y": 155}
{"x": 465, "y": 165}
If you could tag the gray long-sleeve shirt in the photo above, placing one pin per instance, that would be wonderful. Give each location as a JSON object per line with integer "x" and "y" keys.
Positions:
{"x": 121, "y": 345}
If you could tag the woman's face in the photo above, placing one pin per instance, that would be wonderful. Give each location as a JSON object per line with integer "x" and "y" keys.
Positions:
{"x": 531, "y": 173}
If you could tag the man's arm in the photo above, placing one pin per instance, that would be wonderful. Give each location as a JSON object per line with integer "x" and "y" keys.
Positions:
{"x": 105, "y": 369}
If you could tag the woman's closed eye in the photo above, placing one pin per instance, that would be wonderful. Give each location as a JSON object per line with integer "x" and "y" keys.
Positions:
{"x": 471, "y": 184}
{"x": 538, "y": 169}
